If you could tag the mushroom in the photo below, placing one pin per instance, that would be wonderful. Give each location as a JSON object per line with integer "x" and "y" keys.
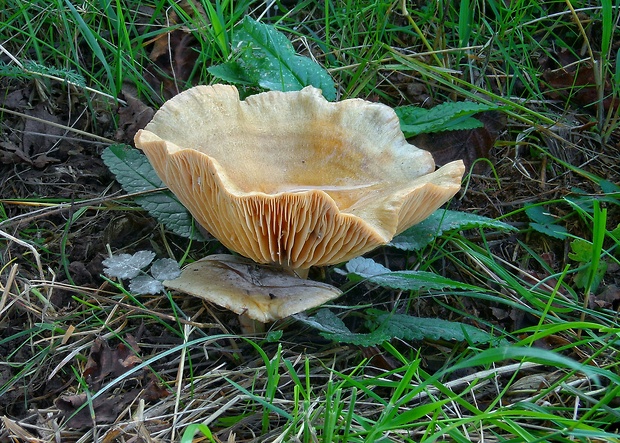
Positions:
{"x": 290, "y": 179}
{"x": 262, "y": 293}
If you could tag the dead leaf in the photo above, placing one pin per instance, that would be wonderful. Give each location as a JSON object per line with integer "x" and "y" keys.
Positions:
{"x": 17, "y": 100}
{"x": 569, "y": 78}
{"x": 133, "y": 117}
{"x": 175, "y": 64}
{"x": 106, "y": 408}
{"x": 608, "y": 298}
{"x": 10, "y": 153}
{"x": 379, "y": 359}
{"x": 175, "y": 52}
{"x": 106, "y": 362}
{"x": 18, "y": 432}
{"x": 467, "y": 144}
{"x": 40, "y": 138}
{"x": 154, "y": 391}
{"x": 418, "y": 93}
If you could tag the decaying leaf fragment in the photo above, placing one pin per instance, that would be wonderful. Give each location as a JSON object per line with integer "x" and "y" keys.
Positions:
{"x": 105, "y": 361}
{"x": 263, "y": 293}
{"x": 104, "y": 364}
{"x": 464, "y": 144}
{"x": 106, "y": 407}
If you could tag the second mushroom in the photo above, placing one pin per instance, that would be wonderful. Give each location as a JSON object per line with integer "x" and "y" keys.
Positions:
{"x": 288, "y": 180}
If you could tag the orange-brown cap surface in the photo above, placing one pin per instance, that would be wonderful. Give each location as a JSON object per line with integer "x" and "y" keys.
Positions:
{"x": 290, "y": 178}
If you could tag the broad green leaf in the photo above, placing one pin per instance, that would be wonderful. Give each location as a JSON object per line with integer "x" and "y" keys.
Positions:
{"x": 333, "y": 328}
{"x": 442, "y": 220}
{"x": 444, "y": 117}
{"x": 418, "y": 328}
{"x": 539, "y": 214}
{"x": 609, "y": 188}
{"x": 552, "y": 230}
{"x": 616, "y": 232}
{"x": 544, "y": 222}
{"x": 581, "y": 250}
{"x": 232, "y": 72}
{"x": 582, "y": 278}
{"x": 361, "y": 268}
{"x": 135, "y": 174}
{"x": 266, "y": 58}
{"x": 582, "y": 253}
{"x": 386, "y": 326}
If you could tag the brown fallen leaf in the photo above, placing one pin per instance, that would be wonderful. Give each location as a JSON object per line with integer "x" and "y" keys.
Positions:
{"x": 175, "y": 52}
{"x": 176, "y": 65}
{"x": 568, "y": 78}
{"x": 104, "y": 361}
{"x": 466, "y": 144}
{"x": 16, "y": 431}
{"x": 40, "y": 138}
{"x": 106, "y": 408}
{"x": 608, "y": 298}
{"x": 133, "y": 117}
{"x": 10, "y": 153}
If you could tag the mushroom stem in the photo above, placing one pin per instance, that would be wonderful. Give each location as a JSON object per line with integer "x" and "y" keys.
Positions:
{"x": 249, "y": 326}
{"x": 297, "y": 272}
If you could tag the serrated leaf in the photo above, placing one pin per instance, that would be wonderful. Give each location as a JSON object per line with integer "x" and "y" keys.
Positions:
{"x": 265, "y": 57}
{"x": 232, "y": 72}
{"x": 444, "y": 117}
{"x": 417, "y": 328}
{"x": 145, "y": 284}
{"x": 131, "y": 168}
{"x": 361, "y": 268}
{"x": 386, "y": 326}
{"x": 539, "y": 214}
{"x": 135, "y": 174}
{"x": 582, "y": 278}
{"x": 462, "y": 123}
{"x": 333, "y": 328}
{"x": 165, "y": 269}
{"x": 422, "y": 234}
{"x": 126, "y": 266}
{"x": 581, "y": 251}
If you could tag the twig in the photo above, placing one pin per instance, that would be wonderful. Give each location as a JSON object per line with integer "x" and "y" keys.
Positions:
{"x": 37, "y": 257}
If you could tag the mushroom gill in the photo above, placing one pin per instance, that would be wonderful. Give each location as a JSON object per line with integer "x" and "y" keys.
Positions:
{"x": 291, "y": 179}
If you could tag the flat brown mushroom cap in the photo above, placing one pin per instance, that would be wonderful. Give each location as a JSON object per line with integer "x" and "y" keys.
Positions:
{"x": 290, "y": 178}
{"x": 242, "y": 286}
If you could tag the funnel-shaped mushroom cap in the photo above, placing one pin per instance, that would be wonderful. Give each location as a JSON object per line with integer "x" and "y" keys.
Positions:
{"x": 259, "y": 292}
{"x": 290, "y": 178}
